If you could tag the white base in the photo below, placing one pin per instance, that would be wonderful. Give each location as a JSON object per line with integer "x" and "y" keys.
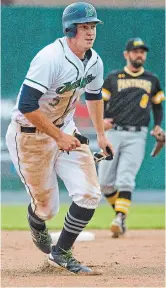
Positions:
{"x": 83, "y": 236}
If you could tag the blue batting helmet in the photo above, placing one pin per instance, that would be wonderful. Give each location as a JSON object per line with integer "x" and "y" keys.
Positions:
{"x": 76, "y": 13}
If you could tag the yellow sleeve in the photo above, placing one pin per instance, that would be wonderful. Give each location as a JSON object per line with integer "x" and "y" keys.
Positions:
{"x": 106, "y": 94}
{"x": 158, "y": 98}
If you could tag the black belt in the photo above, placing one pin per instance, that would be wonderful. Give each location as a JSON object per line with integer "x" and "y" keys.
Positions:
{"x": 33, "y": 129}
{"x": 81, "y": 138}
{"x": 127, "y": 128}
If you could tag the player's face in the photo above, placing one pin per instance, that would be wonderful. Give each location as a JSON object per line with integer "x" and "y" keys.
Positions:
{"x": 86, "y": 35}
{"x": 137, "y": 57}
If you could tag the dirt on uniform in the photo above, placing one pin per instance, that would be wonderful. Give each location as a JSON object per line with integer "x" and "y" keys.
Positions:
{"x": 136, "y": 260}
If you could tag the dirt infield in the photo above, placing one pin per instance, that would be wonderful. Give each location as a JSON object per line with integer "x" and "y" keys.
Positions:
{"x": 136, "y": 260}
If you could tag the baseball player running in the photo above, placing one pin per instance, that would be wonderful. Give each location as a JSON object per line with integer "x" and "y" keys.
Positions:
{"x": 130, "y": 95}
{"x": 41, "y": 137}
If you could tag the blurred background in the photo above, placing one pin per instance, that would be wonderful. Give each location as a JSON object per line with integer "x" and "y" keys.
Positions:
{"x": 27, "y": 26}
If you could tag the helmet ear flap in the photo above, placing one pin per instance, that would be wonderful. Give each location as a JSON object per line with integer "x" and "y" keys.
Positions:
{"x": 70, "y": 31}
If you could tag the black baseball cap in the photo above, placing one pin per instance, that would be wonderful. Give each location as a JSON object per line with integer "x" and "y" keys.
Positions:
{"x": 136, "y": 43}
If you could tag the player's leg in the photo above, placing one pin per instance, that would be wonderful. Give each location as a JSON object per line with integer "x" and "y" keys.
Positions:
{"x": 122, "y": 203}
{"x": 34, "y": 160}
{"x": 131, "y": 157}
{"x": 107, "y": 170}
{"x": 78, "y": 172}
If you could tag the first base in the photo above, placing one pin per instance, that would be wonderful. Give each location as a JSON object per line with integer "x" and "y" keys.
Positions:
{"x": 83, "y": 236}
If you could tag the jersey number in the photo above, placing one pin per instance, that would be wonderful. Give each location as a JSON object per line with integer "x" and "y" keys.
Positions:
{"x": 144, "y": 101}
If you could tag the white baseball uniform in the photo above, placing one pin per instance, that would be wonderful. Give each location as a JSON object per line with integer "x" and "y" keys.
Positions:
{"x": 60, "y": 75}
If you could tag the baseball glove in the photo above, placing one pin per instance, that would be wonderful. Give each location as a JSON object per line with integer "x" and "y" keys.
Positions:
{"x": 160, "y": 142}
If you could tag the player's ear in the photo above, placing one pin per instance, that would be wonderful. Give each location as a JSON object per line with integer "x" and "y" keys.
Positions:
{"x": 125, "y": 54}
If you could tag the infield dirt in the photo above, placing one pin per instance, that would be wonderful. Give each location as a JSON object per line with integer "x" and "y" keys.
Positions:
{"x": 136, "y": 260}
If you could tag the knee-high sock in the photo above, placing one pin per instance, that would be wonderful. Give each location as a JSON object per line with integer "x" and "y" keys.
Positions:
{"x": 75, "y": 221}
{"x": 123, "y": 202}
{"x": 111, "y": 198}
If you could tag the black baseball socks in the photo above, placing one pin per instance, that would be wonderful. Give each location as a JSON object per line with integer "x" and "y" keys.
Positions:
{"x": 75, "y": 221}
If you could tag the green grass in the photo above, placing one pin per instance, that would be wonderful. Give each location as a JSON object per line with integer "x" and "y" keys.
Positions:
{"x": 140, "y": 217}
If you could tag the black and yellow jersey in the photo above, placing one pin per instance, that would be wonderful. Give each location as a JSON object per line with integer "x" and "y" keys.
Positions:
{"x": 129, "y": 96}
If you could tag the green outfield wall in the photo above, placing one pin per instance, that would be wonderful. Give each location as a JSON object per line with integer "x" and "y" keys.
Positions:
{"x": 26, "y": 30}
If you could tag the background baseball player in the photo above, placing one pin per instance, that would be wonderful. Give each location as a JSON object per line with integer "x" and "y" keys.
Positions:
{"x": 130, "y": 95}
{"x": 42, "y": 128}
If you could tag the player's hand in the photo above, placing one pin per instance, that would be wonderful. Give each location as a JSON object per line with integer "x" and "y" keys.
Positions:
{"x": 158, "y": 133}
{"x": 67, "y": 142}
{"x": 105, "y": 145}
{"x": 156, "y": 130}
{"x": 108, "y": 123}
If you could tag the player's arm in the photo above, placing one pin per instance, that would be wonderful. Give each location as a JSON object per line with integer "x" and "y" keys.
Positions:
{"x": 29, "y": 106}
{"x": 95, "y": 107}
{"x": 106, "y": 95}
{"x": 94, "y": 101}
{"x": 41, "y": 74}
{"x": 157, "y": 131}
{"x": 158, "y": 115}
{"x": 157, "y": 109}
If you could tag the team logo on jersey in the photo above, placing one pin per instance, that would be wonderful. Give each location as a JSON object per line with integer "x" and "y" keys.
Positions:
{"x": 134, "y": 83}
{"x": 81, "y": 83}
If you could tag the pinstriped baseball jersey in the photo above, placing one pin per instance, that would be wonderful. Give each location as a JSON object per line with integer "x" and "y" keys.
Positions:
{"x": 62, "y": 78}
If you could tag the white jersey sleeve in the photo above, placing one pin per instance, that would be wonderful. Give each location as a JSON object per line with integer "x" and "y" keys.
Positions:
{"x": 95, "y": 86}
{"x": 42, "y": 71}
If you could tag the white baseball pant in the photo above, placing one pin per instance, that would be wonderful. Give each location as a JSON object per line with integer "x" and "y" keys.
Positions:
{"x": 38, "y": 161}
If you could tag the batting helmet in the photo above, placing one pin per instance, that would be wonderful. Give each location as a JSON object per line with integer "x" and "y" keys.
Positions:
{"x": 76, "y": 13}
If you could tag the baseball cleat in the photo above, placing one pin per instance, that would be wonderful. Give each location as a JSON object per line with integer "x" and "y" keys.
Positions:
{"x": 118, "y": 226}
{"x": 41, "y": 239}
{"x": 65, "y": 260}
